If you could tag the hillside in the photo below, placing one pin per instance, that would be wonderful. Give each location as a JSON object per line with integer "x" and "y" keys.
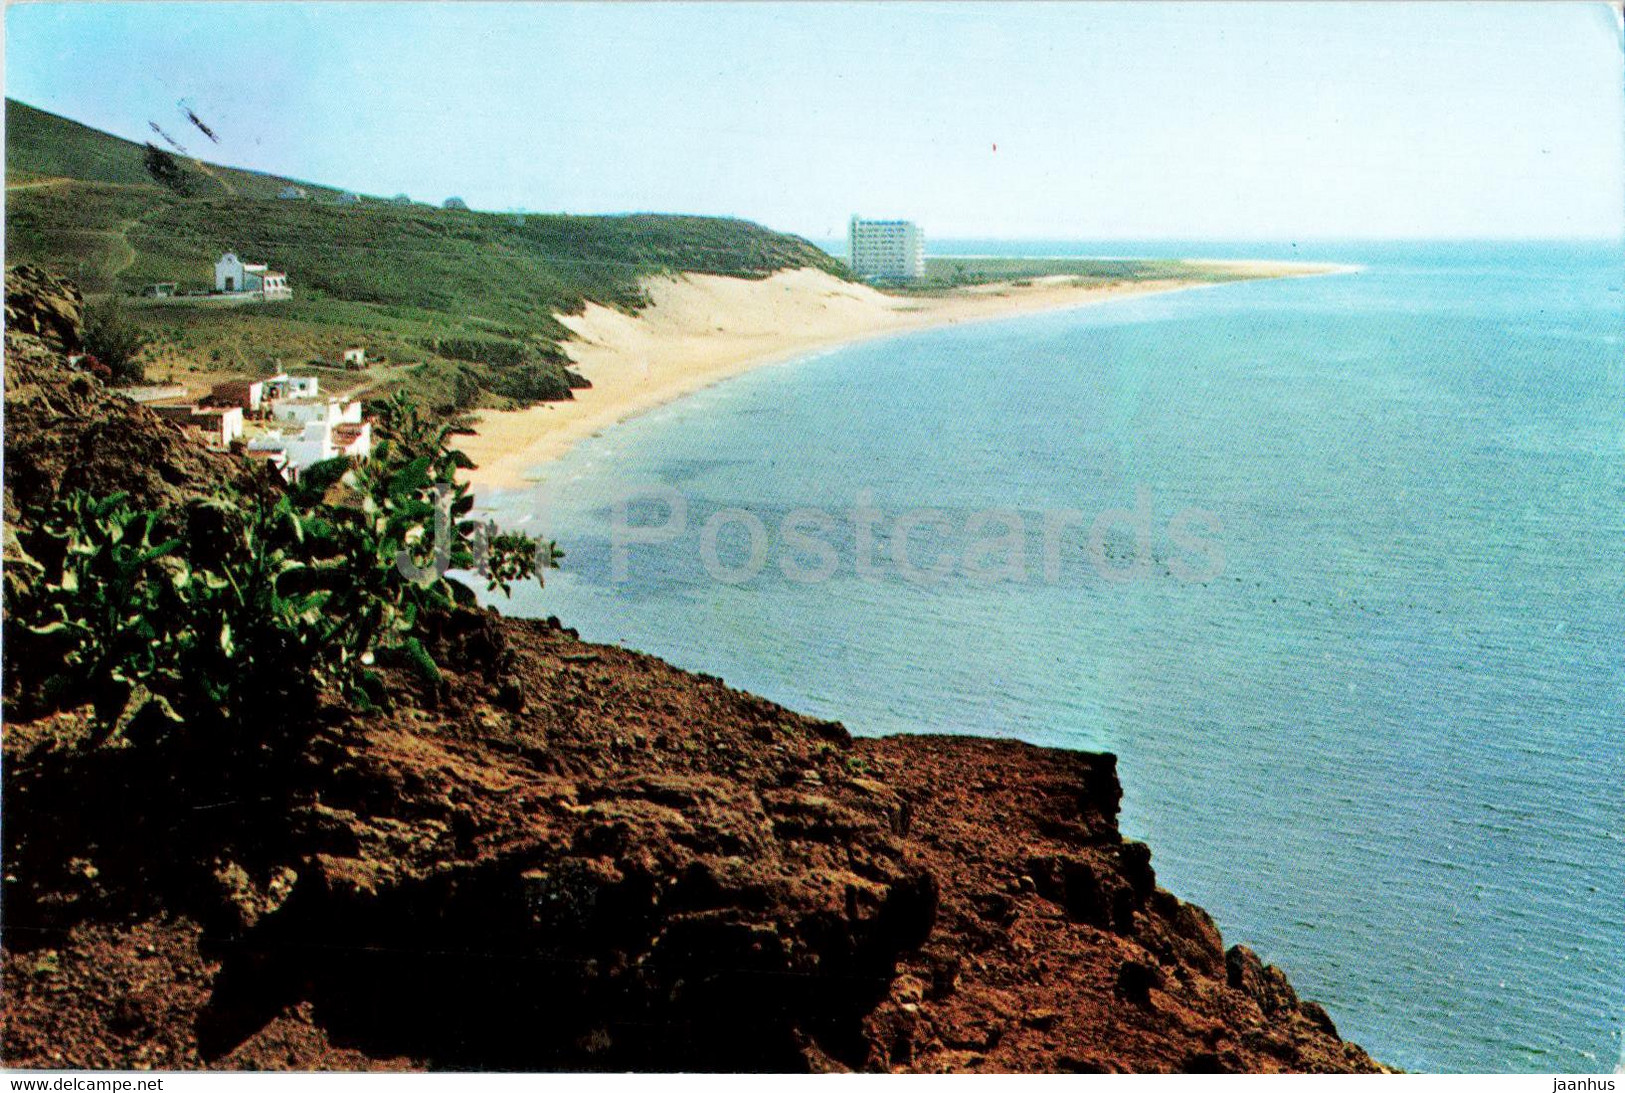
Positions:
{"x": 459, "y": 305}
{"x": 42, "y": 145}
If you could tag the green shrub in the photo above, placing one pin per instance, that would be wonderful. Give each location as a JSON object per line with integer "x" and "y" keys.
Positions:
{"x": 111, "y": 338}
{"x": 534, "y": 381}
{"x": 501, "y": 352}
{"x": 238, "y": 611}
{"x": 167, "y": 171}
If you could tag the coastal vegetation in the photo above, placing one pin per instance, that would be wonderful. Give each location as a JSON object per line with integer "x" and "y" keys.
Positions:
{"x": 950, "y": 272}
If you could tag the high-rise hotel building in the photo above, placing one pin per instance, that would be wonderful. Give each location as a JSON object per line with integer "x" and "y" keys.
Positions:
{"x": 886, "y": 250}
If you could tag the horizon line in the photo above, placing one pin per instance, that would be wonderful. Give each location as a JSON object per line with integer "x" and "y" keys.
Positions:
{"x": 1618, "y": 236}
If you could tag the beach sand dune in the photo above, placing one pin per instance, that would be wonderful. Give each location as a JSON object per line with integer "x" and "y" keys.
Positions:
{"x": 701, "y": 329}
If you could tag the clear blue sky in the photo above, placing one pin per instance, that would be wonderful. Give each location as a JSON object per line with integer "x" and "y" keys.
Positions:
{"x": 1130, "y": 121}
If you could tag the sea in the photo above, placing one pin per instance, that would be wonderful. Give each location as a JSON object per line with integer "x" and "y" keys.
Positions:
{"x": 1335, "y": 565}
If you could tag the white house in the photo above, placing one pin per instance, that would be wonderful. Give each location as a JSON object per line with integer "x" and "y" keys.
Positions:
{"x": 233, "y": 275}
{"x": 219, "y": 426}
{"x": 890, "y": 250}
{"x": 355, "y": 357}
{"x": 312, "y": 444}
{"x": 292, "y": 193}
{"x": 282, "y": 385}
{"x": 307, "y": 411}
{"x": 353, "y": 439}
{"x": 245, "y": 394}
{"x": 302, "y": 411}
{"x": 274, "y": 457}
{"x": 274, "y": 286}
{"x": 316, "y": 441}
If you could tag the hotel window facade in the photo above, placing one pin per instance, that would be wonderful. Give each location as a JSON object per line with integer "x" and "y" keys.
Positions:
{"x": 887, "y": 250}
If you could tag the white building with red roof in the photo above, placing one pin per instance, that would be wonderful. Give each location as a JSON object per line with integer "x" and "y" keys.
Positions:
{"x": 234, "y": 276}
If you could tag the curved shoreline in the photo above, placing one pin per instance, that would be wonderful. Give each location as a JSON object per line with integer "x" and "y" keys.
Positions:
{"x": 700, "y": 330}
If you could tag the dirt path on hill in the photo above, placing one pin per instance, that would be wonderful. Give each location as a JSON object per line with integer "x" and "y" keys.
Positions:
{"x": 39, "y": 185}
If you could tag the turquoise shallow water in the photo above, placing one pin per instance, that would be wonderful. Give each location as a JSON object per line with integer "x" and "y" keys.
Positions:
{"x": 1370, "y": 711}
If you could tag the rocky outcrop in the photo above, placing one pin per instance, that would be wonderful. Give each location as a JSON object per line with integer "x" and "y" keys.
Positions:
{"x": 1054, "y": 948}
{"x": 66, "y": 431}
{"x": 564, "y": 855}
{"x": 44, "y": 306}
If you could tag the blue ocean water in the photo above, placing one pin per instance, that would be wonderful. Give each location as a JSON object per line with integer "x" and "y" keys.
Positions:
{"x": 1361, "y": 655}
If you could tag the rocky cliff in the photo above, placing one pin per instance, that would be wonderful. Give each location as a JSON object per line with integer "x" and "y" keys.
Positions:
{"x": 556, "y": 855}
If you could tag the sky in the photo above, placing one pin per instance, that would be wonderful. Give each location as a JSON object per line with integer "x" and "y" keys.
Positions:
{"x": 1056, "y": 121}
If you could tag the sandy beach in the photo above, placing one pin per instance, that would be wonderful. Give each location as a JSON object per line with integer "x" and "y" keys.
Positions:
{"x": 700, "y": 330}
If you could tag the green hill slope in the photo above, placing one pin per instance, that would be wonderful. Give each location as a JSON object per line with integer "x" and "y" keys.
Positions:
{"x": 40, "y": 144}
{"x": 460, "y": 304}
